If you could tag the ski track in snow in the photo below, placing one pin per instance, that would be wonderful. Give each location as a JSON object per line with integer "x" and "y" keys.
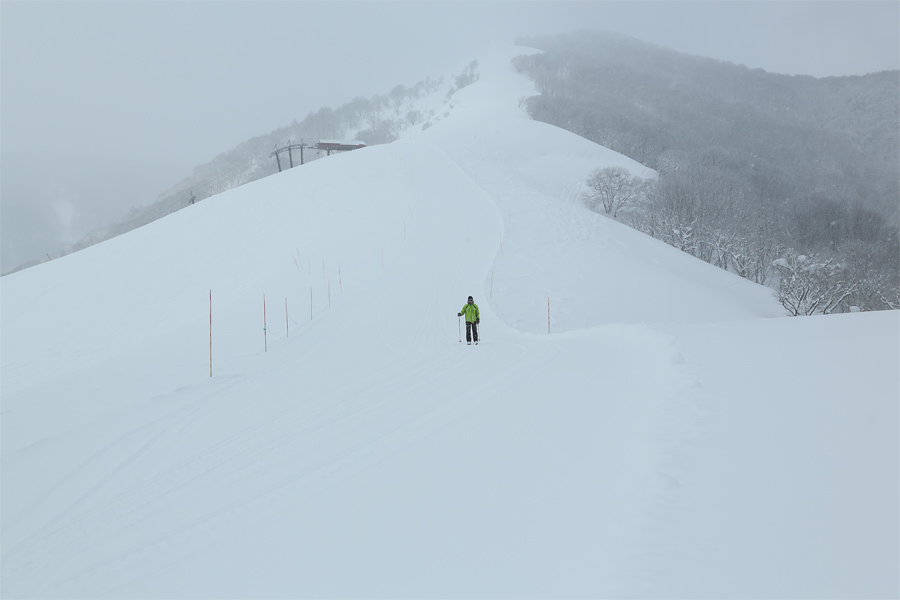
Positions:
{"x": 265, "y": 449}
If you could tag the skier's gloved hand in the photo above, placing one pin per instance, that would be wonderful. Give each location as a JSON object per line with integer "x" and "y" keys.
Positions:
{"x": 478, "y": 321}
{"x": 458, "y": 314}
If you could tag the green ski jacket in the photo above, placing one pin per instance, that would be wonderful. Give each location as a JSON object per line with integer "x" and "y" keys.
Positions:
{"x": 471, "y": 312}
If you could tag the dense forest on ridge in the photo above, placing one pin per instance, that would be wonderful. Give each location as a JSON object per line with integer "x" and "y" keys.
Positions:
{"x": 769, "y": 175}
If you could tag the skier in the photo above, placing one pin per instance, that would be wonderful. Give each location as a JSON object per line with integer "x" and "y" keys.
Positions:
{"x": 470, "y": 309}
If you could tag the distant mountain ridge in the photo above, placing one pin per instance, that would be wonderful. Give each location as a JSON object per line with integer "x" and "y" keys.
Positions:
{"x": 664, "y": 108}
{"x": 754, "y": 167}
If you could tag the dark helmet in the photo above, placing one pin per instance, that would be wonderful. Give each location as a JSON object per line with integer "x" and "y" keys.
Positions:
{"x": 470, "y": 298}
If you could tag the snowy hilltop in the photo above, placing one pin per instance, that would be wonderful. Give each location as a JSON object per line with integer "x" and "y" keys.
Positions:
{"x": 264, "y": 394}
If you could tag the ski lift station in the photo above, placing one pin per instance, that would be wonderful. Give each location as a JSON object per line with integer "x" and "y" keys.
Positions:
{"x": 339, "y": 146}
{"x": 328, "y": 146}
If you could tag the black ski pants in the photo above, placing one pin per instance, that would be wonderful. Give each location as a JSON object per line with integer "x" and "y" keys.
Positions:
{"x": 471, "y": 330}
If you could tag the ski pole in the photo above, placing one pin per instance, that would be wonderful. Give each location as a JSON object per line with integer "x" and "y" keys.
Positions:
{"x": 459, "y": 327}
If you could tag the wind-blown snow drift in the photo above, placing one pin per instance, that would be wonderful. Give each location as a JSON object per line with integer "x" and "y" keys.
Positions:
{"x": 671, "y": 436}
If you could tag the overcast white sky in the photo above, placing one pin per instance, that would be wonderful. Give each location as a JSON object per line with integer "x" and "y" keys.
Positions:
{"x": 104, "y": 105}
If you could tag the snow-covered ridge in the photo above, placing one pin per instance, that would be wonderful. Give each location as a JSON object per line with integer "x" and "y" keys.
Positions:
{"x": 356, "y": 447}
{"x": 378, "y": 119}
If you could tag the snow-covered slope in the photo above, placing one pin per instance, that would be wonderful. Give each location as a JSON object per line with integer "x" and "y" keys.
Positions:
{"x": 594, "y": 269}
{"x": 671, "y": 421}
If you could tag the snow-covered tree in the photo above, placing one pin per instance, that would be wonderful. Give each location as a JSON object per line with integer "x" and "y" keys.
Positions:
{"x": 752, "y": 258}
{"x": 613, "y": 188}
{"x": 874, "y": 268}
{"x": 469, "y": 76}
{"x": 809, "y": 286}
